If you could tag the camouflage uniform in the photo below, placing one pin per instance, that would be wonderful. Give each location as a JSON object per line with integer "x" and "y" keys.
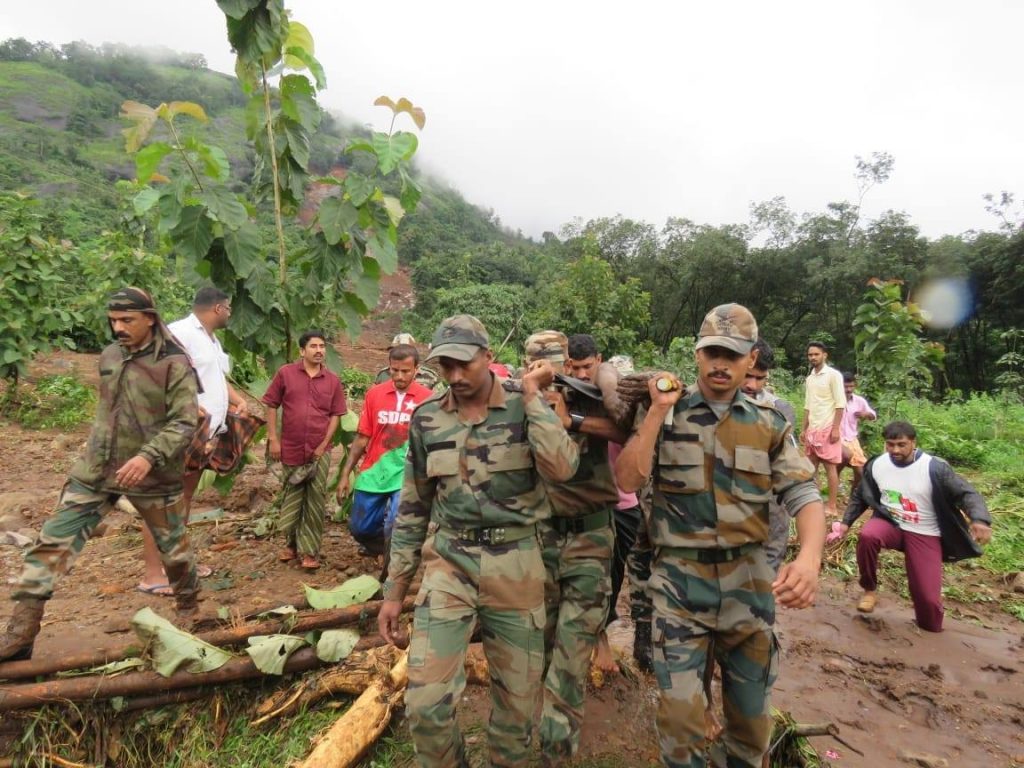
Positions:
{"x": 778, "y": 518}
{"x": 713, "y": 477}
{"x": 471, "y": 501}
{"x": 147, "y": 407}
{"x": 579, "y": 542}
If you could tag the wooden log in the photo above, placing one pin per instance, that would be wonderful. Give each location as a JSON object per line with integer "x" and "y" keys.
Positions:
{"x": 296, "y": 623}
{"x": 100, "y": 687}
{"x": 355, "y": 732}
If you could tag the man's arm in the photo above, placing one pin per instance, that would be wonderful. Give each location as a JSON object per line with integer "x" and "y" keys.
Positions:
{"x": 856, "y": 507}
{"x": 806, "y": 426}
{"x": 636, "y": 462}
{"x": 355, "y": 453}
{"x": 414, "y": 509}
{"x": 273, "y": 441}
{"x": 555, "y": 454}
{"x": 965, "y": 497}
{"x": 236, "y": 401}
{"x": 599, "y": 426}
{"x": 837, "y": 418}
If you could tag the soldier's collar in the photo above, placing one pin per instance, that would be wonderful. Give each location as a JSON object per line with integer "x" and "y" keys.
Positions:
{"x": 696, "y": 397}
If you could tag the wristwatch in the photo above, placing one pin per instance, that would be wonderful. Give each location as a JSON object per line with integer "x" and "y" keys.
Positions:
{"x": 575, "y": 422}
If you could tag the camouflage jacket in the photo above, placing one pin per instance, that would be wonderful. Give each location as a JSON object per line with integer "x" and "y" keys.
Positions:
{"x": 481, "y": 475}
{"x": 713, "y": 479}
{"x": 592, "y": 488}
{"x": 147, "y": 407}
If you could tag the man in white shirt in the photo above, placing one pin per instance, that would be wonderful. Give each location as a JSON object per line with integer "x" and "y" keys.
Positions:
{"x": 211, "y": 310}
{"x": 824, "y": 405}
{"x": 918, "y": 506}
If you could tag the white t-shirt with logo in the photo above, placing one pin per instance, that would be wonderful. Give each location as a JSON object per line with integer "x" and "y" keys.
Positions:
{"x": 906, "y": 492}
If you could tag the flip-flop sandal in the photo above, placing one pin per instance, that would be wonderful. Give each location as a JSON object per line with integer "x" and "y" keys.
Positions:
{"x": 204, "y": 571}
{"x": 310, "y": 563}
{"x": 160, "y": 590}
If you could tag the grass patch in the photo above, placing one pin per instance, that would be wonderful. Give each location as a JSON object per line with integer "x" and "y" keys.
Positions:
{"x": 55, "y": 401}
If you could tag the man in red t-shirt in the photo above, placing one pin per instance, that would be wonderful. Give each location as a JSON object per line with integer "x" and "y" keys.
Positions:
{"x": 313, "y": 401}
{"x": 381, "y": 443}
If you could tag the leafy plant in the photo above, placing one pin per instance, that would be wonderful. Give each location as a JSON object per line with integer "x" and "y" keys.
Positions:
{"x": 34, "y": 289}
{"x": 335, "y": 267}
{"x": 56, "y": 401}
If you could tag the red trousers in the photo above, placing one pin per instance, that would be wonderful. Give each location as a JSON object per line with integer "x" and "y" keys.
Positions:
{"x": 923, "y": 556}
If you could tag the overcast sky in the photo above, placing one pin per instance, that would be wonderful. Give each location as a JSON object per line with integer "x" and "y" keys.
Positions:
{"x": 545, "y": 111}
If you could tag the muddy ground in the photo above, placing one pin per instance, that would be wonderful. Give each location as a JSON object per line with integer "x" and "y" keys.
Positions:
{"x": 900, "y": 696}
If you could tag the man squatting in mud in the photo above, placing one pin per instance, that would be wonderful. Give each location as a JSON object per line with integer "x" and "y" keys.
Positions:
{"x": 717, "y": 458}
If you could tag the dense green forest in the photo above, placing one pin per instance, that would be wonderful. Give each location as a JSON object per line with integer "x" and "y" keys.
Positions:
{"x": 638, "y": 287}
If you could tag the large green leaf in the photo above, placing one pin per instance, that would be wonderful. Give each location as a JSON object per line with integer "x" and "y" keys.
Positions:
{"x": 384, "y": 251}
{"x": 394, "y": 149}
{"x": 193, "y": 233}
{"x": 359, "y": 187}
{"x": 336, "y": 217}
{"x": 333, "y": 645}
{"x": 357, "y": 590}
{"x": 298, "y": 140}
{"x": 225, "y": 207}
{"x": 262, "y": 286}
{"x": 311, "y": 63}
{"x": 270, "y": 652}
{"x": 411, "y": 192}
{"x": 144, "y": 200}
{"x": 236, "y": 9}
{"x": 244, "y": 248}
{"x": 215, "y": 161}
{"x": 298, "y": 101}
{"x": 367, "y": 285}
{"x": 149, "y": 158}
{"x": 143, "y": 118}
{"x": 171, "y": 647}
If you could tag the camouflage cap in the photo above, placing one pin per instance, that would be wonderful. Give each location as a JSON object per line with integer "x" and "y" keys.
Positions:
{"x": 402, "y": 338}
{"x": 730, "y": 326}
{"x": 552, "y": 346}
{"x": 459, "y": 337}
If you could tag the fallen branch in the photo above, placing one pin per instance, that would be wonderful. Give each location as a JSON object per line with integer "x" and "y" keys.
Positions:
{"x": 355, "y": 732}
{"x": 292, "y": 624}
{"x": 100, "y": 687}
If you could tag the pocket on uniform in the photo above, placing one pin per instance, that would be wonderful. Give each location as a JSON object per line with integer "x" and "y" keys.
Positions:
{"x": 419, "y": 643}
{"x": 511, "y": 470}
{"x": 442, "y": 463}
{"x": 661, "y": 672}
{"x": 751, "y": 474}
{"x": 680, "y": 467}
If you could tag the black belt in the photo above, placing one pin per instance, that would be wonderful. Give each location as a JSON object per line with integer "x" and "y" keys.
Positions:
{"x": 710, "y": 555}
{"x": 491, "y": 536}
{"x": 585, "y": 524}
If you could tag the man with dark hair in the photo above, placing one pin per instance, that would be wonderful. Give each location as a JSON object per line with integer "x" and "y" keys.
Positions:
{"x": 857, "y": 408}
{"x": 425, "y": 375}
{"x": 716, "y": 458}
{"x": 383, "y": 439}
{"x": 146, "y": 416}
{"x": 584, "y": 357}
{"x": 472, "y": 498}
{"x": 919, "y": 506}
{"x": 211, "y": 310}
{"x": 313, "y": 401}
{"x": 824, "y": 404}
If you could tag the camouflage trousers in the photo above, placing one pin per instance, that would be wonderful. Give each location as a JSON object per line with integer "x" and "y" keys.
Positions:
{"x": 79, "y": 511}
{"x": 501, "y": 587}
{"x": 730, "y": 607}
{"x": 578, "y": 583}
{"x": 304, "y": 505}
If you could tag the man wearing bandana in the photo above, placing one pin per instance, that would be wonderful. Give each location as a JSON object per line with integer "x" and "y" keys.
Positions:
{"x": 145, "y": 418}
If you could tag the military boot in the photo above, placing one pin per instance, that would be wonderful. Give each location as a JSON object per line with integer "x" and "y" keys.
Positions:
{"x": 643, "y": 649}
{"x": 22, "y": 629}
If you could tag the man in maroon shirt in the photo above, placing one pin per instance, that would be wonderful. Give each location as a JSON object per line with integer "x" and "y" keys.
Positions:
{"x": 313, "y": 401}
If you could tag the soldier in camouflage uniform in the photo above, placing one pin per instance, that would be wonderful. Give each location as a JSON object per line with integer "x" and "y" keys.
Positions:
{"x": 471, "y": 501}
{"x": 145, "y": 418}
{"x": 579, "y": 540}
{"x": 716, "y": 458}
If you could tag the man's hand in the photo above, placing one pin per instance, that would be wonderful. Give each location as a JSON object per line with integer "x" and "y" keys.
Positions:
{"x": 538, "y": 376}
{"x": 557, "y": 402}
{"x": 241, "y": 407}
{"x": 275, "y": 448}
{"x": 133, "y": 472}
{"x": 665, "y": 399}
{"x": 797, "y": 583}
{"x": 981, "y": 532}
{"x": 834, "y": 435}
{"x": 320, "y": 450}
{"x": 344, "y": 484}
{"x": 387, "y": 622}
{"x": 633, "y": 388}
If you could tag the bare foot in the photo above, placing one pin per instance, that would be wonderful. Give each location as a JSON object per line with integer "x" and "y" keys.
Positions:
{"x": 603, "y": 657}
